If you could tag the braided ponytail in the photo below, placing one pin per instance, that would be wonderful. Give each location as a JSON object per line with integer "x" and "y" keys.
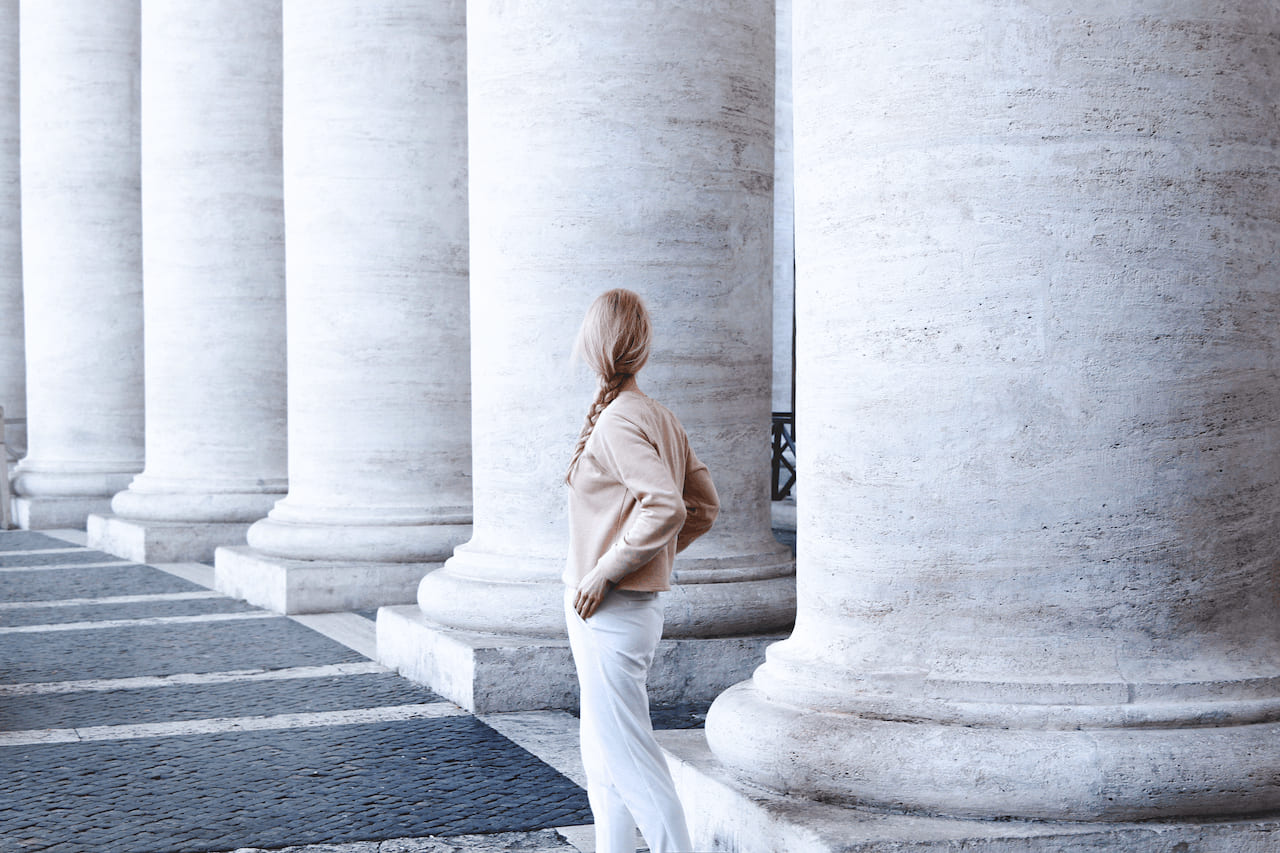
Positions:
{"x": 614, "y": 340}
{"x": 608, "y": 392}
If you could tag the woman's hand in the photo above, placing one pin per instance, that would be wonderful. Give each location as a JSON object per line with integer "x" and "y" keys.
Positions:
{"x": 591, "y": 591}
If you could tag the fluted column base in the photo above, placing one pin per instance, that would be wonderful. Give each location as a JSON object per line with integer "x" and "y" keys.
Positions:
{"x": 98, "y": 480}
{"x": 49, "y": 495}
{"x": 64, "y": 494}
{"x": 492, "y": 673}
{"x": 199, "y": 500}
{"x": 1171, "y": 757}
{"x": 304, "y": 558}
{"x": 370, "y": 533}
{"x": 485, "y": 609}
{"x": 725, "y": 815}
{"x": 167, "y": 519}
{"x": 521, "y": 595}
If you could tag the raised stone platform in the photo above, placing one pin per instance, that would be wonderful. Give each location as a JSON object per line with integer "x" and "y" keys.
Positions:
{"x": 314, "y": 586}
{"x": 162, "y": 541}
{"x": 39, "y": 513}
{"x": 725, "y": 814}
{"x": 488, "y": 673}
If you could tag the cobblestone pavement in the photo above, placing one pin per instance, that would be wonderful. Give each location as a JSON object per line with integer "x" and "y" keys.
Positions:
{"x": 141, "y": 712}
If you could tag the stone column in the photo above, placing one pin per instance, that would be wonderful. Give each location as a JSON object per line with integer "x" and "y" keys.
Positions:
{"x": 1039, "y": 330}
{"x": 13, "y": 366}
{"x": 784, "y": 278}
{"x": 213, "y": 263}
{"x": 618, "y": 144}
{"x": 82, "y": 258}
{"x": 376, "y": 226}
{"x": 783, "y": 512}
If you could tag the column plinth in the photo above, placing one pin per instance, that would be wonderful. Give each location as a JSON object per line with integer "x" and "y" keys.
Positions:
{"x": 1038, "y": 329}
{"x": 636, "y": 152}
{"x": 214, "y": 269}
{"x": 752, "y": 819}
{"x": 81, "y": 255}
{"x": 376, "y": 223}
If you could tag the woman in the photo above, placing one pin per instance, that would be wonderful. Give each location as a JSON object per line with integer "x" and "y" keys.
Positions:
{"x": 637, "y": 496}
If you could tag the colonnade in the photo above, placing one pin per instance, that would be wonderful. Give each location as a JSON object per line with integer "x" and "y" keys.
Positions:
{"x": 1037, "y": 307}
{"x": 301, "y": 172}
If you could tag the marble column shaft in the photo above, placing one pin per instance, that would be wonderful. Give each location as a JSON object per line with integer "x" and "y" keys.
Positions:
{"x": 81, "y": 246}
{"x": 213, "y": 262}
{"x": 784, "y": 256}
{"x": 612, "y": 146}
{"x": 13, "y": 368}
{"x": 376, "y": 213}
{"x": 1039, "y": 377}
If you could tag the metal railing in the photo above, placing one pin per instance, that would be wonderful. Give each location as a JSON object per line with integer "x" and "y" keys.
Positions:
{"x": 9, "y": 453}
{"x": 784, "y": 455}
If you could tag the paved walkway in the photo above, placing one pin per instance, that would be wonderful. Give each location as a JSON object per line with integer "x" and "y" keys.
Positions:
{"x": 142, "y": 712}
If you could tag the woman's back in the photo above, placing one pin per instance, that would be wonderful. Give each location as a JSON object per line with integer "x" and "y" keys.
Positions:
{"x": 629, "y": 500}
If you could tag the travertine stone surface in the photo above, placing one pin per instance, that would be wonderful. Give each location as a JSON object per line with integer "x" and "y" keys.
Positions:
{"x": 726, "y": 815}
{"x": 784, "y": 274}
{"x": 314, "y": 586}
{"x": 213, "y": 263}
{"x": 493, "y": 673}
{"x": 152, "y": 541}
{"x": 376, "y": 223}
{"x": 81, "y": 248}
{"x": 626, "y": 144}
{"x": 1039, "y": 310}
{"x": 13, "y": 367}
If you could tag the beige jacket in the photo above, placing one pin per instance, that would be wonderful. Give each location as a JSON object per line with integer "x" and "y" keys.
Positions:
{"x": 637, "y": 497}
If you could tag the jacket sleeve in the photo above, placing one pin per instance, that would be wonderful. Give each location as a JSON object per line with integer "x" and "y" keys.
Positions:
{"x": 701, "y": 503}
{"x": 622, "y": 447}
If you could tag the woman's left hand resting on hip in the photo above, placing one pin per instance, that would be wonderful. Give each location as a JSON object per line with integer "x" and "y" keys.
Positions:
{"x": 591, "y": 591}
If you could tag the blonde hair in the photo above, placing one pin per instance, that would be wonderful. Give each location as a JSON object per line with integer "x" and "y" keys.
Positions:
{"x": 614, "y": 341}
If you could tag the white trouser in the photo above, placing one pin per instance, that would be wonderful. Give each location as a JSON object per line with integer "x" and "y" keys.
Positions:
{"x": 628, "y": 782}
